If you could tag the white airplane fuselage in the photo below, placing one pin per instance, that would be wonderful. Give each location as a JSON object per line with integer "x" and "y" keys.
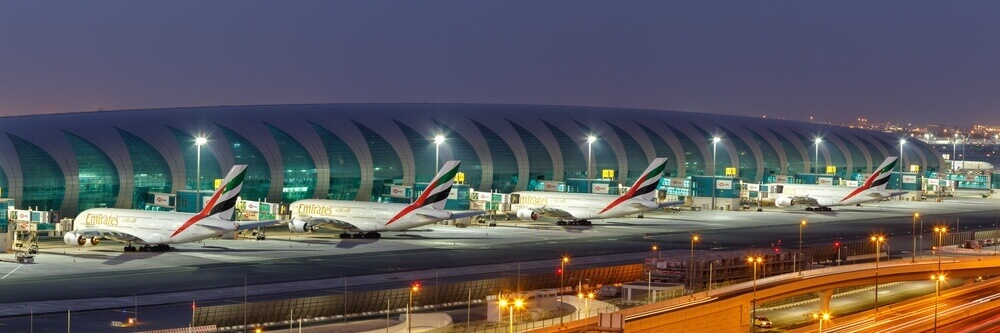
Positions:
{"x": 367, "y": 216}
{"x": 580, "y": 206}
{"x": 829, "y": 195}
{"x": 154, "y": 227}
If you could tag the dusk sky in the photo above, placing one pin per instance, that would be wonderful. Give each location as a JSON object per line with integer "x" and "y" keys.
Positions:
{"x": 898, "y": 61}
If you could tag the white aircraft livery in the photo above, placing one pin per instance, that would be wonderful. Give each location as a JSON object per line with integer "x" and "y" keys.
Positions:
{"x": 156, "y": 230}
{"x": 367, "y": 219}
{"x": 822, "y": 197}
{"x": 579, "y": 208}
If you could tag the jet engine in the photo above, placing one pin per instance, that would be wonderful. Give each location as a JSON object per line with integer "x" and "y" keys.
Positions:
{"x": 527, "y": 215}
{"x": 72, "y": 238}
{"x": 784, "y": 202}
{"x": 297, "y": 225}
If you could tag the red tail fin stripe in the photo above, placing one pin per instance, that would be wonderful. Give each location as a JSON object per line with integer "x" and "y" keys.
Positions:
{"x": 867, "y": 185}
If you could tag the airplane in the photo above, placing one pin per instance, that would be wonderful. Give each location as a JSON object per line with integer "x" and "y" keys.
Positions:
{"x": 157, "y": 230}
{"x": 822, "y": 197}
{"x": 580, "y": 208}
{"x": 368, "y": 219}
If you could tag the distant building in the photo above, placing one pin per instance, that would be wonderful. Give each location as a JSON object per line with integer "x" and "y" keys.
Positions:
{"x": 70, "y": 162}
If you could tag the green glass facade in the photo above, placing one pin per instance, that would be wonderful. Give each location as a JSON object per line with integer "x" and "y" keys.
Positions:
{"x": 387, "y": 166}
{"x": 98, "y": 176}
{"x": 345, "y": 170}
{"x": 44, "y": 186}
{"x": 540, "y": 165}
{"x": 210, "y": 170}
{"x": 504, "y": 163}
{"x": 299, "y": 169}
{"x": 149, "y": 169}
{"x": 365, "y": 149}
{"x": 257, "y": 181}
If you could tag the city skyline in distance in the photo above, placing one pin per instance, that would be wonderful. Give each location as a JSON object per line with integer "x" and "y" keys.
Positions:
{"x": 901, "y": 62}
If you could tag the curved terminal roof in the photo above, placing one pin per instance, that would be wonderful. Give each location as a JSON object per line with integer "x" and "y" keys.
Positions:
{"x": 70, "y": 162}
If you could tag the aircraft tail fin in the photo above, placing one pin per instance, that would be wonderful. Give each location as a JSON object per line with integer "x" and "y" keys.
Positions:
{"x": 223, "y": 203}
{"x": 880, "y": 178}
{"x": 436, "y": 193}
{"x": 645, "y": 186}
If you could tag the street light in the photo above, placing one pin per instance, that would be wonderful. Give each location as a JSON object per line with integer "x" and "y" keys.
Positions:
{"x": 438, "y": 140}
{"x": 802, "y": 224}
{"x": 586, "y": 301}
{"x": 244, "y": 301}
{"x": 902, "y": 142}
{"x": 822, "y": 317}
{"x": 715, "y": 143}
{"x": 656, "y": 249}
{"x": 754, "y": 261}
{"x": 590, "y": 144}
{"x": 694, "y": 239}
{"x": 409, "y": 321}
{"x": 916, "y": 215}
{"x": 878, "y": 239}
{"x": 517, "y": 303}
{"x": 938, "y": 279}
{"x": 562, "y": 273}
{"x": 940, "y": 231}
{"x": 816, "y": 160}
{"x": 199, "y": 141}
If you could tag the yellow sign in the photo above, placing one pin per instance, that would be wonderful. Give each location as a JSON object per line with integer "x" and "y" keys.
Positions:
{"x": 218, "y": 183}
{"x": 831, "y": 169}
{"x": 460, "y": 177}
{"x": 608, "y": 174}
{"x": 914, "y": 168}
{"x": 730, "y": 172}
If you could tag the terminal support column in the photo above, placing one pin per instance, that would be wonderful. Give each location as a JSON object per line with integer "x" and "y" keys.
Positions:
{"x": 824, "y": 300}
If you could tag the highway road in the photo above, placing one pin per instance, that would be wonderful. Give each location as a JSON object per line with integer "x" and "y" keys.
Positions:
{"x": 957, "y": 309}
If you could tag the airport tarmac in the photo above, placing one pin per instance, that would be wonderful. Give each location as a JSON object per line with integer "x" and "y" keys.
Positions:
{"x": 63, "y": 272}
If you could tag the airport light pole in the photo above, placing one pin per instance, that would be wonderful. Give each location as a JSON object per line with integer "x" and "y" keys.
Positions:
{"x": 822, "y": 317}
{"x": 562, "y": 273}
{"x": 694, "y": 239}
{"x": 878, "y": 239}
{"x": 510, "y": 305}
{"x": 916, "y": 215}
{"x": 656, "y": 249}
{"x": 798, "y": 268}
{"x": 409, "y": 306}
{"x": 902, "y": 142}
{"x": 954, "y": 143}
{"x": 590, "y": 144}
{"x": 938, "y": 279}
{"x": 244, "y": 301}
{"x": 940, "y": 231}
{"x": 754, "y": 261}
{"x": 816, "y": 159}
{"x": 199, "y": 141}
{"x": 438, "y": 140}
{"x": 715, "y": 144}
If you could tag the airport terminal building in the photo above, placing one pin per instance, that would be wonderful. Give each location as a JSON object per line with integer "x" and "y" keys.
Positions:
{"x": 70, "y": 162}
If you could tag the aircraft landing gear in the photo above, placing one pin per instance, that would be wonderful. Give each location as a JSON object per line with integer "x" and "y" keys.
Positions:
{"x": 154, "y": 248}
{"x": 130, "y": 248}
{"x": 368, "y": 235}
{"x": 573, "y": 222}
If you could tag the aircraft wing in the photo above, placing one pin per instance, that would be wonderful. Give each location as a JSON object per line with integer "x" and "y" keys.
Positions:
{"x": 666, "y": 204}
{"x": 244, "y": 225}
{"x": 336, "y": 223}
{"x": 461, "y": 214}
{"x": 566, "y": 213}
{"x": 114, "y": 235}
{"x": 805, "y": 200}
